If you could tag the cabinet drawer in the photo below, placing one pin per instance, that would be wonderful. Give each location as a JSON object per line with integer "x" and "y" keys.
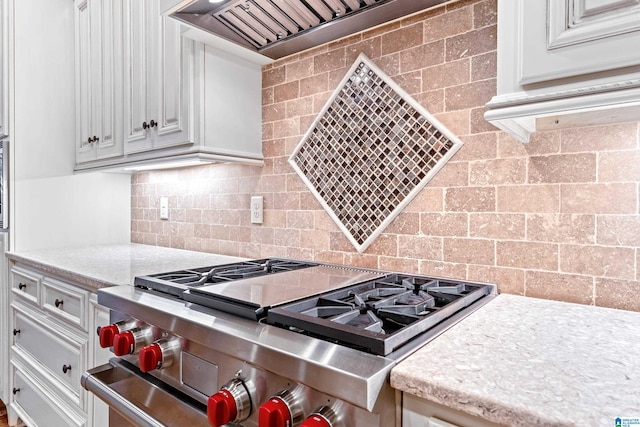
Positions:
{"x": 65, "y": 302}
{"x": 25, "y": 284}
{"x": 36, "y": 407}
{"x": 53, "y": 349}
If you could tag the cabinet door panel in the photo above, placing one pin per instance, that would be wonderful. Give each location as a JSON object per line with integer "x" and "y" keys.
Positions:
{"x": 109, "y": 67}
{"x": 40, "y": 411}
{"x": 52, "y": 350}
{"x": 84, "y": 132}
{"x": 135, "y": 79}
{"x": 578, "y": 38}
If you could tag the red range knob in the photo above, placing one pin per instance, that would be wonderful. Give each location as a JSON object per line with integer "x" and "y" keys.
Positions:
{"x": 107, "y": 334}
{"x": 315, "y": 420}
{"x": 221, "y": 408}
{"x": 274, "y": 413}
{"x": 150, "y": 357}
{"x": 123, "y": 343}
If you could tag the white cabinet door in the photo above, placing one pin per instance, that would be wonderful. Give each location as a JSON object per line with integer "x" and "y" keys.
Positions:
{"x": 99, "y": 70}
{"x": 157, "y": 79}
{"x": 580, "y": 37}
{"x": 4, "y": 68}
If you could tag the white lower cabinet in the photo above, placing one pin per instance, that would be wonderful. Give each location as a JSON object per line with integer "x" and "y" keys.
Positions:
{"x": 52, "y": 343}
{"x": 418, "y": 412}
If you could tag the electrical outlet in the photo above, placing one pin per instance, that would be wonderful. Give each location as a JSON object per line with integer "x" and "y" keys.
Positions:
{"x": 164, "y": 208}
{"x": 256, "y": 209}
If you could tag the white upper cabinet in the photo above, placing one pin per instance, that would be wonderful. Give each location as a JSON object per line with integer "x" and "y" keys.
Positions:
{"x": 159, "y": 71}
{"x": 157, "y": 97}
{"x": 99, "y": 79}
{"x": 564, "y": 63}
{"x": 4, "y": 68}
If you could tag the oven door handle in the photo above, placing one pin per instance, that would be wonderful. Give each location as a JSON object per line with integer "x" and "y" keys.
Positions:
{"x": 110, "y": 382}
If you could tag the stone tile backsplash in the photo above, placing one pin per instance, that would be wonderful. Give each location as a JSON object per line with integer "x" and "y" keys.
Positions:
{"x": 557, "y": 218}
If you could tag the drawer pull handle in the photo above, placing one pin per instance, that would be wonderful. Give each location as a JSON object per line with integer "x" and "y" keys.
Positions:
{"x": 16, "y": 390}
{"x": 58, "y": 302}
{"x": 16, "y": 332}
{"x": 22, "y": 286}
{"x": 66, "y": 368}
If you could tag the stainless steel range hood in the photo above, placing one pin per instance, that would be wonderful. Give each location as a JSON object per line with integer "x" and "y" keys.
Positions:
{"x": 277, "y": 28}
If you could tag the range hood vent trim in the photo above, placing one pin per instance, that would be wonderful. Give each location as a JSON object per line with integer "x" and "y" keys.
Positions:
{"x": 260, "y": 25}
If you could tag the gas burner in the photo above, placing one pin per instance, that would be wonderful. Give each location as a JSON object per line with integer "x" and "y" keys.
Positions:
{"x": 176, "y": 282}
{"x": 379, "y": 315}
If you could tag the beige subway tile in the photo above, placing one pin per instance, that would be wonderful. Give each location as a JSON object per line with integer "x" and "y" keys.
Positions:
{"x": 164, "y": 240}
{"x": 471, "y": 43}
{"x": 402, "y": 39}
{"x": 444, "y": 224}
{"x": 410, "y": 266}
{"x": 384, "y": 244}
{"x": 299, "y": 107}
{"x": 419, "y": 247}
{"x": 267, "y": 96}
{"x": 622, "y": 294}
{"x": 322, "y": 221}
{"x": 300, "y": 253}
{"x": 599, "y": 198}
{"x": 315, "y": 239}
{"x": 261, "y": 234}
{"x": 481, "y": 146}
{"x": 470, "y": 199}
{"x": 443, "y": 269}
{"x": 339, "y": 242}
{"x": 250, "y": 250}
{"x": 286, "y": 128}
{"x": 298, "y": 70}
{"x": 560, "y": 287}
{"x": 287, "y": 237}
{"x": 267, "y": 130}
{"x": 453, "y": 174}
{"x": 314, "y": 85}
{"x": 529, "y": 198}
{"x": 371, "y": 47}
{"x": 498, "y": 172}
{"x": 432, "y": 101}
{"x": 294, "y": 183}
{"x": 229, "y": 217}
{"x": 405, "y": 223}
{"x": 330, "y": 257}
{"x": 469, "y": 95}
{"x": 457, "y": 122}
{"x": 604, "y": 261}
{"x": 228, "y": 247}
{"x": 410, "y": 82}
{"x": 618, "y": 230}
{"x": 336, "y": 76}
{"x": 390, "y": 64}
{"x": 194, "y": 216}
{"x": 427, "y": 200}
{"x": 319, "y": 101}
{"x": 303, "y": 220}
{"x": 286, "y": 201}
{"x": 509, "y": 280}
{"x": 485, "y": 13}
{"x": 274, "y": 218}
{"x": 619, "y": 166}
{"x": 193, "y": 244}
{"x": 309, "y": 202}
{"x": 484, "y": 66}
{"x": 286, "y": 91}
{"x": 361, "y": 260}
{"x": 478, "y": 123}
{"x": 561, "y": 228}
{"x": 600, "y": 138}
{"x": 267, "y": 251}
{"x": 497, "y": 226}
{"x": 424, "y": 55}
{"x": 562, "y": 168}
{"x": 470, "y": 251}
{"x": 438, "y": 75}
{"x": 448, "y": 24}
{"x": 273, "y": 76}
{"x": 329, "y": 61}
{"x": 528, "y": 255}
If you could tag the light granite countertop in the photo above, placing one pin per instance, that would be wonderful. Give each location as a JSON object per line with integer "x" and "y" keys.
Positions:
{"x": 530, "y": 362}
{"x": 108, "y": 265}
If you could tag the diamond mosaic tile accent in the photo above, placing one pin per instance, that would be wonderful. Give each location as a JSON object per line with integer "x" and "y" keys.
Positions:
{"x": 369, "y": 152}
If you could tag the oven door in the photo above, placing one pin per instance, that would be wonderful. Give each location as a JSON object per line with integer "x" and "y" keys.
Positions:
{"x": 141, "y": 399}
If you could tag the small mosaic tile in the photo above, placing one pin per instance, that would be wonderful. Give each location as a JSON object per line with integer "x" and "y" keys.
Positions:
{"x": 371, "y": 149}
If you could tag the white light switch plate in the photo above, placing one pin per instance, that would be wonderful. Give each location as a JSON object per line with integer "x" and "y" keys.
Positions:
{"x": 256, "y": 209}
{"x": 164, "y": 208}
